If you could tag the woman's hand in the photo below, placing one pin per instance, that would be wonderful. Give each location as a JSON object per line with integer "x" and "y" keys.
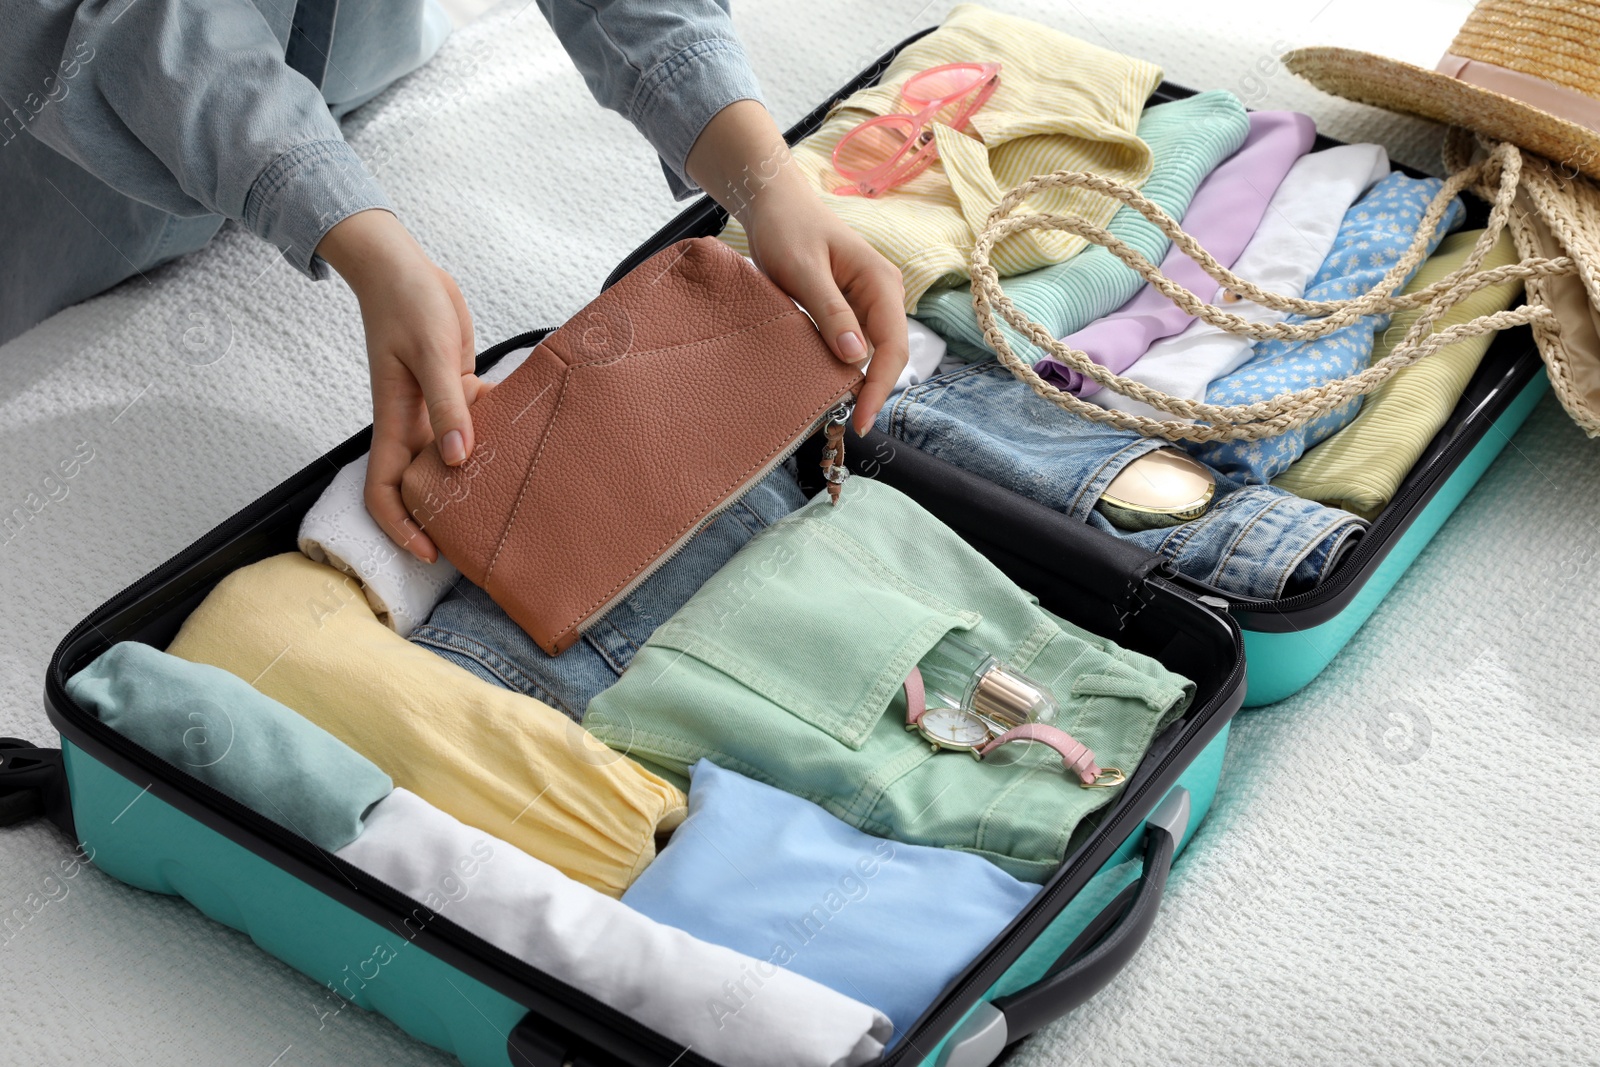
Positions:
{"x": 420, "y": 350}
{"x": 854, "y": 295}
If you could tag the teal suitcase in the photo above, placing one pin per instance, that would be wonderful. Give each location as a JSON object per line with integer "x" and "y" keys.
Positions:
{"x": 153, "y": 826}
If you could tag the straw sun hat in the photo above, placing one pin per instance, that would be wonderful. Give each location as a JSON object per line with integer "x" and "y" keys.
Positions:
{"x": 1526, "y": 72}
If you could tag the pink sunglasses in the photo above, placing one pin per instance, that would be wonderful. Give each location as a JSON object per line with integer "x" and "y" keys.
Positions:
{"x": 887, "y": 150}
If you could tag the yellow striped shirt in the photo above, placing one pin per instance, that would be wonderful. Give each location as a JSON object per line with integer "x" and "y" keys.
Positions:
{"x": 1360, "y": 467}
{"x": 1061, "y": 104}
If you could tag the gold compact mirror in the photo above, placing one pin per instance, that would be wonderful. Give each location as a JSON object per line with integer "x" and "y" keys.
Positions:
{"x": 1161, "y": 488}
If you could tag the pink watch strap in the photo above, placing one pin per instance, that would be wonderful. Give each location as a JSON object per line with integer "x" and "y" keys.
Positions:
{"x": 916, "y": 697}
{"x": 1077, "y": 756}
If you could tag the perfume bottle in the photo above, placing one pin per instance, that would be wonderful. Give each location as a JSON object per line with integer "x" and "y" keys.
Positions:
{"x": 957, "y": 674}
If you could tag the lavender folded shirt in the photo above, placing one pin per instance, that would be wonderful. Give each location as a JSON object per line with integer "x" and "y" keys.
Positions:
{"x": 1223, "y": 216}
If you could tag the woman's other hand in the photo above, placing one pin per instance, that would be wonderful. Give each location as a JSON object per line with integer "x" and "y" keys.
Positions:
{"x": 420, "y": 351}
{"x": 851, "y": 292}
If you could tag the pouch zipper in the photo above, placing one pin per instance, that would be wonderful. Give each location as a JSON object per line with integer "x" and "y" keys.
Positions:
{"x": 839, "y": 412}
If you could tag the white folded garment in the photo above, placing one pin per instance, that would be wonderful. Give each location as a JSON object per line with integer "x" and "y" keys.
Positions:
{"x": 729, "y": 1007}
{"x": 1288, "y": 248}
{"x": 507, "y": 363}
{"x": 926, "y": 351}
{"x": 338, "y": 531}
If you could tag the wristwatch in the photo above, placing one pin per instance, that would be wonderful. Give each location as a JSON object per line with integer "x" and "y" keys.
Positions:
{"x": 960, "y": 730}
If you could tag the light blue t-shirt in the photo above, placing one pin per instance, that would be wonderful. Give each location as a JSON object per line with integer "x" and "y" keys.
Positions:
{"x": 773, "y": 876}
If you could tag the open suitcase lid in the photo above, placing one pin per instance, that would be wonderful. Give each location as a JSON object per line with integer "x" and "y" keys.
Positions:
{"x": 1092, "y": 580}
{"x": 1509, "y": 365}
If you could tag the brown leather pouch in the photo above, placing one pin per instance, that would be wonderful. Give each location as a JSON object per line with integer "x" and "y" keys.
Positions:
{"x": 625, "y": 432}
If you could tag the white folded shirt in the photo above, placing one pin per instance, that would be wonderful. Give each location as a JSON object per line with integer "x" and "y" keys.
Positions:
{"x": 729, "y": 1007}
{"x": 338, "y": 531}
{"x": 926, "y": 352}
{"x": 1288, "y": 248}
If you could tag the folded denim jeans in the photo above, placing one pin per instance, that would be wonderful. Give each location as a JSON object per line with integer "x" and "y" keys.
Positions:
{"x": 1256, "y": 540}
{"x": 470, "y": 630}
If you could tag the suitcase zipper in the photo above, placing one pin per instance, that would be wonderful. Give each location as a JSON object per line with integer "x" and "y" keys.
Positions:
{"x": 838, "y": 414}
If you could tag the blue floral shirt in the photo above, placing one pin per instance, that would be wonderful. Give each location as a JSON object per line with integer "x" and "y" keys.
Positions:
{"x": 1373, "y": 236}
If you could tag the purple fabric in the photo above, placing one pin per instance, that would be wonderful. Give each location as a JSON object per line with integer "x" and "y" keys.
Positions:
{"x": 1223, "y": 216}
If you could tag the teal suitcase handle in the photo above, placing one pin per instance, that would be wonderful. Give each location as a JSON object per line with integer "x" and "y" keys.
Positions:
{"x": 1089, "y": 963}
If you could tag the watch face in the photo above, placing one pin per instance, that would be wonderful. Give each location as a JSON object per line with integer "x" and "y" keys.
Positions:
{"x": 954, "y": 728}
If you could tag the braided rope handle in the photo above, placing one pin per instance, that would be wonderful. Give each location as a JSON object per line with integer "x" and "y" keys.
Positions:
{"x": 1495, "y": 178}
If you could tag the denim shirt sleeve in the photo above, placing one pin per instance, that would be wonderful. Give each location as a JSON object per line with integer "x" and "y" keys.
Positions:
{"x": 666, "y": 68}
{"x": 187, "y": 105}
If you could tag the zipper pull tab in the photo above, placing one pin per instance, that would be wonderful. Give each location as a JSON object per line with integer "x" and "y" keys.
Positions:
{"x": 834, "y": 472}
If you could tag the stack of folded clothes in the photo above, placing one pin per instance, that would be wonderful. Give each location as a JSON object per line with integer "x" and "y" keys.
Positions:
{"x": 1322, "y": 225}
{"x": 1362, "y": 466}
{"x": 429, "y": 764}
{"x": 294, "y": 772}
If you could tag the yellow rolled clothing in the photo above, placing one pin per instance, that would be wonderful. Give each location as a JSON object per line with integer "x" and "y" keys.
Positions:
{"x": 1361, "y": 467}
{"x": 303, "y": 634}
{"x": 1061, "y": 104}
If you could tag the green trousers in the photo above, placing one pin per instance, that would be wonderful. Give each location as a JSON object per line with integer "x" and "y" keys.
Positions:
{"x": 788, "y": 667}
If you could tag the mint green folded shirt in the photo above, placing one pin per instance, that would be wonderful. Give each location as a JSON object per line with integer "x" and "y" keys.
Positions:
{"x": 788, "y": 667}
{"x": 213, "y": 725}
{"x": 1187, "y": 139}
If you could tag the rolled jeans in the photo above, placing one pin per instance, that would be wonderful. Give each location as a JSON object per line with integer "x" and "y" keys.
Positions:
{"x": 471, "y": 630}
{"x": 1254, "y": 541}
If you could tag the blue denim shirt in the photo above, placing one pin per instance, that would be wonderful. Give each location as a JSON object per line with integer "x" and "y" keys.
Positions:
{"x": 131, "y": 130}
